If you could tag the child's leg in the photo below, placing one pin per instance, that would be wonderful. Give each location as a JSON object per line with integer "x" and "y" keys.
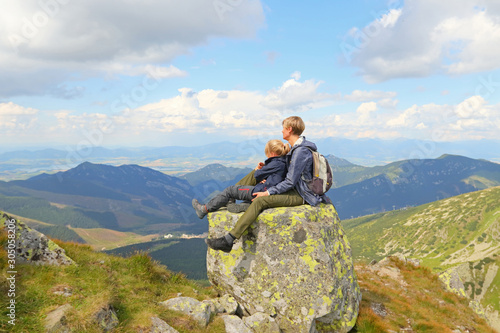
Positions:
{"x": 248, "y": 180}
{"x": 231, "y": 192}
{"x": 288, "y": 199}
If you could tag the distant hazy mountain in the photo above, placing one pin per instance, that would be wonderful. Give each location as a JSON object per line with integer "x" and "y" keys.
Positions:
{"x": 128, "y": 197}
{"x": 121, "y": 183}
{"x": 370, "y": 152}
{"x": 409, "y": 183}
{"x": 23, "y": 164}
{"x": 213, "y": 178}
{"x": 217, "y": 172}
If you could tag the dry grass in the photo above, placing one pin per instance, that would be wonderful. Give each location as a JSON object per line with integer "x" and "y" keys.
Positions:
{"x": 414, "y": 299}
{"x": 108, "y": 239}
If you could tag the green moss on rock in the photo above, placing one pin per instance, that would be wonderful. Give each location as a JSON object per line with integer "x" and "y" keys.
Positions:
{"x": 294, "y": 263}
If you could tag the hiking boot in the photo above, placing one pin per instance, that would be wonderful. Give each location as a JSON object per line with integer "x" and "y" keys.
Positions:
{"x": 238, "y": 208}
{"x": 219, "y": 244}
{"x": 201, "y": 210}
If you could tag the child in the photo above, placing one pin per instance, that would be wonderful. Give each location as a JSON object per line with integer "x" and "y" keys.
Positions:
{"x": 267, "y": 174}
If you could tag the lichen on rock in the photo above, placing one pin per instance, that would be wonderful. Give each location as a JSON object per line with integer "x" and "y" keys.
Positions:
{"x": 294, "y": 264}
{"x": 199, "y": 311}
{"x": 33, "y": 247}
{"x": 452, "y": 282}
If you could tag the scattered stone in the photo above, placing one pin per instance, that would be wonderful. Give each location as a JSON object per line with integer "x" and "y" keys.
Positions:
{"x": 197, "y": 310}
{"x": 229, "y": 304}
{"x": 406, "y": 260}
{"x": 293, "y": 263}
{"x": 214, "y": 305}
{"x": 379, "y": 309}
{"x": 64, "y": 291}
{"x": 234, "y": 324}
{"x": 385, "y": 267}
{"x": 106, "y": 318}
{"x": 452, "y": 282}
{"x": 414, "y": 262}
{"x": 55, "y": 322}
{"x": 479, "y": 310}
{"x": 160, "y": 326}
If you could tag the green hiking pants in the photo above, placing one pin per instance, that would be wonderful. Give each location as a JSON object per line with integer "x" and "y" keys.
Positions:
{"x": 248, "y": 180}
{"x": 288, "y": 199}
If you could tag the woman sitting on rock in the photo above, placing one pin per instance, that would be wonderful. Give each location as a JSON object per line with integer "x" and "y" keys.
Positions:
{"x": 267, "y": 174}
{"x": 292, "y": 191}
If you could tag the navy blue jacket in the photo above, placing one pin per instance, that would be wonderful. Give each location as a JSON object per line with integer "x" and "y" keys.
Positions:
{"x": 300, "y": 171}
{"x": 274, "y": 172}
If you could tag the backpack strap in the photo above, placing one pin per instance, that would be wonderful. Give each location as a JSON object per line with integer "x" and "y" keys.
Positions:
{"x": 315, "y": 162}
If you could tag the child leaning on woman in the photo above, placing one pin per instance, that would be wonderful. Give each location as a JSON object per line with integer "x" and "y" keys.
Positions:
{"x": 267, "y": 174}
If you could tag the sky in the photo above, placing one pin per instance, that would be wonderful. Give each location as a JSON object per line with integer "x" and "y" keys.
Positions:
{"x": 136, "y": 73}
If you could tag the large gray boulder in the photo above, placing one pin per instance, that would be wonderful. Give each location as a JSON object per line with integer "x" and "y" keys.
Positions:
{"x": 294, "y": 264}
{"x": 32, "y": 246}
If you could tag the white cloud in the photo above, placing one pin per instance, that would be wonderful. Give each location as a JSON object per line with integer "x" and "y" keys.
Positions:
{"x": 14, "y": 118}
{"x": 297, "y": 96}
{"x": 94, "y": 36}
{"x": 390, "y": 19}
{"x": 11, "y": 109}
{"x": 151, "y": 71}
{"x": 471, "y": 119}
{"x": 365, "y": 96}
{"x": 478, "y": 37}
{"x": 425, "y": 37}
{"x": 364, "y": 112}
{"x": 233, "y": 113}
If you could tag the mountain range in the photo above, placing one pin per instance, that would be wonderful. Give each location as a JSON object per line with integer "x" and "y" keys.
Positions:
{"x": 366, "y": 190}
{"x": 138, "y": 199}
{"x": 175, "y": 160}
{"x": 124, "y": 198}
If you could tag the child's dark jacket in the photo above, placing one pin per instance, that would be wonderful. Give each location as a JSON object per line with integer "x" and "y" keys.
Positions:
{"x": 274, "y": 171}
{"x": 300, "y": 173}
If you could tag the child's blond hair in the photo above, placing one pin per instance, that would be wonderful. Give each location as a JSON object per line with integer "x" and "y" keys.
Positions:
{"x": 277, "y": 147}
{"x": 296, "y": 123}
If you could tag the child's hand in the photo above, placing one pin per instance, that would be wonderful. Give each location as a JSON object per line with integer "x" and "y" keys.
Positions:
{"x": 259, "y": 166}
{"x": 260, "y": 194}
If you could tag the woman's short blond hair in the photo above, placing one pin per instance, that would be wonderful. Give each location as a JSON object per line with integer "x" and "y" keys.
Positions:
{"x": 277, "y": 147}
{"x": 296, "y": 123}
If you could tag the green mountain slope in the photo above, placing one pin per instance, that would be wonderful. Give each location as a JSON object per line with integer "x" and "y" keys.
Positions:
{"x": 410, "y": 183}
{"x": 461, "y": 233}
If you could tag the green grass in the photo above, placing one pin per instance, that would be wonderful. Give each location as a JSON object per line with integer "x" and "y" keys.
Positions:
{"x": 134, "y": 286}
